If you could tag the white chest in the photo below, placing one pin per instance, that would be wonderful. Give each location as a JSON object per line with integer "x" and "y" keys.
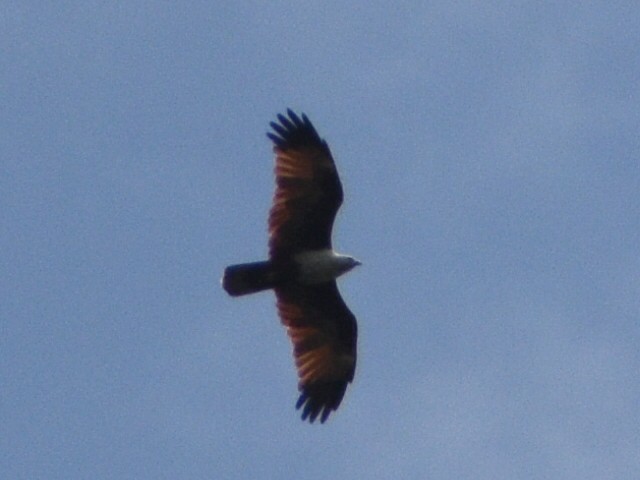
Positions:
{"x": 319, "y": 266}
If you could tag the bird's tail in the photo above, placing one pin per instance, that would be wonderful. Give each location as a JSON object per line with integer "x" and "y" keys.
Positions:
{"x": 248, "y": 278}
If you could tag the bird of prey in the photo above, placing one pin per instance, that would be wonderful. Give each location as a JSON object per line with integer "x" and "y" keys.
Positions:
{"x": 302, "y": 267}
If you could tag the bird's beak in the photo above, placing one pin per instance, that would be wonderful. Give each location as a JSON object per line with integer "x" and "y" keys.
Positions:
{"x": 358, "y": 263}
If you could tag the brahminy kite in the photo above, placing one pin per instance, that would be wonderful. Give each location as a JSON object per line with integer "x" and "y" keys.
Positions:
{"x": 302, "y": 267}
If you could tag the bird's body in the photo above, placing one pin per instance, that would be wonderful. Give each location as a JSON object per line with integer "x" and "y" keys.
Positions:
{"x": 302, "y": 266}
{"x": 307, "y": 268}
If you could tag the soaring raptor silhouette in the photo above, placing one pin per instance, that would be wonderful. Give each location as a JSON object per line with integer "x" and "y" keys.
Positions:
{"x": 302, "y": 267}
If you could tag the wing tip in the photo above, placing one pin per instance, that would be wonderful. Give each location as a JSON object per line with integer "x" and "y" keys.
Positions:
{"x": 294, "y": 131}
{"x": 320, "y": 400}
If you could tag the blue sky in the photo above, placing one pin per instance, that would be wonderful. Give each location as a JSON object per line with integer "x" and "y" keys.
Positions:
{"x": 489, "y": 153}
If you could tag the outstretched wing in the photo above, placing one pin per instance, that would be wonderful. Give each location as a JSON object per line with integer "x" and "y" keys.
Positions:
{"x": 324, "y": 333}
{"x": 308, "y": 190}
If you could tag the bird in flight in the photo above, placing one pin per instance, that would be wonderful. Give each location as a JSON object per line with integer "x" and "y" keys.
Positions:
{"x": 302, "y": 267}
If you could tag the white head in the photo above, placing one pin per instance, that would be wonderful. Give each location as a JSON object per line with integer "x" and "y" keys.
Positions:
{"x": 346, "y": 263}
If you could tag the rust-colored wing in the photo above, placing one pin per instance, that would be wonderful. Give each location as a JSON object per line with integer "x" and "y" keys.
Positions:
{"x": 324, "y": 334}
{"x": 308, "y": 190}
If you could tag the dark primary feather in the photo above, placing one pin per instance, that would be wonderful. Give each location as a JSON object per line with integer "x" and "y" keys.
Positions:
{"x": 320, "y": 400}
{"x": 295, "y": 133}
{"x": 308, "y": 189}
